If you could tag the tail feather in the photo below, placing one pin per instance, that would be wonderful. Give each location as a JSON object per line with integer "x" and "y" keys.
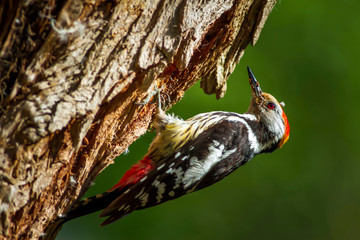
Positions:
{"x": 93, "y": 204}
{"x": 82, "y": 208}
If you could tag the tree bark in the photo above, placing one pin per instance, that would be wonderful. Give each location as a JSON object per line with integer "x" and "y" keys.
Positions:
{"x": 71, "y": 72}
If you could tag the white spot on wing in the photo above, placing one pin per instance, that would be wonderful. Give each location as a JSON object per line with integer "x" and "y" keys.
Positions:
{"x": 138, "y": 195}
{"x": 185, "y": 157}
{"x": 144, "y": 199}
{"x": 198, "y": 168}
{"x": 179, "y": 173}
{"x": 160, "y": 189}
{"x": 216, "y": 143}
{"x": 177, "y": 155}
{"x": 127, "y": 208}
{"x": 161, "y": 166}
{"x": 171, "y": 193}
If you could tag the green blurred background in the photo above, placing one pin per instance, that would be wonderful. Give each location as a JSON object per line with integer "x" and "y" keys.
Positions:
{"x": 308, "y": 57}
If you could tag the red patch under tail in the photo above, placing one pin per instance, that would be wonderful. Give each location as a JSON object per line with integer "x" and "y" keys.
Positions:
{"x": 135, "y": 173}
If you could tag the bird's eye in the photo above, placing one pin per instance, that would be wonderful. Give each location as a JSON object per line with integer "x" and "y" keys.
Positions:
{"x": 270, "y": 105}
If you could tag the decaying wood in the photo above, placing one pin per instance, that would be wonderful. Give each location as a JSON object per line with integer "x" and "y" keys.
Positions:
{"x": 71, "y": 72}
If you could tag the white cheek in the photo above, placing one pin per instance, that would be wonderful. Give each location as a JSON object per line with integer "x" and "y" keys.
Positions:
{"x": 274, "y": 121}
{"x": 277, "y": 126}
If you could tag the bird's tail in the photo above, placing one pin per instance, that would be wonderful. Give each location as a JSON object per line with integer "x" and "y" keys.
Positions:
{"x": 92, "y": 204}
{"x": 82, "y": 208}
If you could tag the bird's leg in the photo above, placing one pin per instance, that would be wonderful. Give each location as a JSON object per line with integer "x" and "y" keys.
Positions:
{"x": 160, "y": 119}
{"x": 156, "y": 91}
{"x": 160, "y": 99}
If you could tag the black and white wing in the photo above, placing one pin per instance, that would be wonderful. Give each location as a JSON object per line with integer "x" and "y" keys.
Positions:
{"x": 201, "y": 162}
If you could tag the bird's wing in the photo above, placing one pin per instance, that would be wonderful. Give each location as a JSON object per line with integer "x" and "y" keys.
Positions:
{"x": 198, "y": 164}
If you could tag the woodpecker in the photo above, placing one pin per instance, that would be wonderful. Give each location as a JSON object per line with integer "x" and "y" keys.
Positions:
{"x": 188, "y": 155}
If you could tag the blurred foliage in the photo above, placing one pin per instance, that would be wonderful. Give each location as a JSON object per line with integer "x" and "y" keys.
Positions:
{"x": 307, "y": 56}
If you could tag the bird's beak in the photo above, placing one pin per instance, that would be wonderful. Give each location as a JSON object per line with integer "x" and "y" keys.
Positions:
{"x": 254, "y": 84}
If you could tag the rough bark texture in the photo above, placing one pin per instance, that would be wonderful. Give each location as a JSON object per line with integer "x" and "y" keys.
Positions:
{"x": 70, "y": 74}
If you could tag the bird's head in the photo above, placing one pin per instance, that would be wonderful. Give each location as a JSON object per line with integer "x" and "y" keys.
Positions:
{"x": 270, "y": 114}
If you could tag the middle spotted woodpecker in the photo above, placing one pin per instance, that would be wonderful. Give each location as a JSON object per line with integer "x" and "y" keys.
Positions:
{"x": 186, "y": 156}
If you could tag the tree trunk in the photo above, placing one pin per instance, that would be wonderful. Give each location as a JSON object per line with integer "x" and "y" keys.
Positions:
{"x": 71, "y": 72}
